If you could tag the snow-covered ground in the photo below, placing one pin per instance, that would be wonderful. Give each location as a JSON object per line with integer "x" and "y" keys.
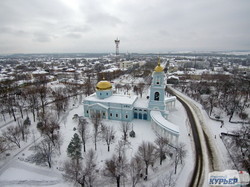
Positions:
{"x": 213, "y": 129}
{"x": 16, "y": 170}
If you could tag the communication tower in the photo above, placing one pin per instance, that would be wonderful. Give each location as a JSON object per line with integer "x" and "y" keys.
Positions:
{"x": 117, "y": 42}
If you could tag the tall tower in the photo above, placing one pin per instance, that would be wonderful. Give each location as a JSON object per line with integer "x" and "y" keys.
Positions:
{"x": 117, "y": 42}
{"x": 157, "y": 89}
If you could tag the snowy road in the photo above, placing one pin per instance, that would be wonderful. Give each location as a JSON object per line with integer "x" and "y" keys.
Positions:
{"x": 206, "y": 159}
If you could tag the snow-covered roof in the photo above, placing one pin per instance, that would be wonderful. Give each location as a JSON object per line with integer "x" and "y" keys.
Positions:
{"x": 70, "y": 69}
{"x": 161, "y": 121}
{"x": 39, "y": 72}
{"x": 141, "y": 103}
{"x": 169, "y": 99}
{"x": 98, "y": 104}
{"x": 110, "y": 69}
{"x": 116, "y": 98}
{"x": 173, "y": 77}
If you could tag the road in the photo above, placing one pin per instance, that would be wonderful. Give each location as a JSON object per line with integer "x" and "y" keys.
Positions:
{"x": 205, "y": 157}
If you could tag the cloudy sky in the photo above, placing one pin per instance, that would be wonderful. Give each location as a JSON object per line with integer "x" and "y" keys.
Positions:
{"x": 49, "y": 26}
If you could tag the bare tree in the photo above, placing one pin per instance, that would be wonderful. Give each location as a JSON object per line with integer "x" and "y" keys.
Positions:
{"x": 73, "y": 172}
{"x": 180, "y": 154}
{"x": 3, "y": 108}
{"x": 242, "y": 146}
{"x": 20, "y": 103}
{"x": 50, "y": 127}
{"x": 83, "y": 131}
{"x": 83, "y": 173}
{"x": 141, "y": 87}
{"x": 10, "y": 103}
{"x": 161, "y": 144}
{"x": 166, "y": 181}
{"x": 42, "y": 91}
{"x": 212, "y": 101}
{"x": 7, "y": 95}
{"x": 136, "y": 90}
{"x": 46, "y": 149}
{"x": 88, "y": 85}
{"x": 127, "y": 87}
{"x": 60, "y": 100}
{"x": 146, "y": 152}
{"x": 115, "y": 168}
{"x": 96, "y": 121}
{"x": 90, "y": 167}
{"x": 23, "y": 129}
{"x": 3, "y": 145}
{"x": 135, "y": 170}
{"x": 125, "y": 127}
{"x": 118, "y": 86}
{"x": 13, "y": 135}
{"x": 32, "y": 99}
{"x": 108, "y": 135}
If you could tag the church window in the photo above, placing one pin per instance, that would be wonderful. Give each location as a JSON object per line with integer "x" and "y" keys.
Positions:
{"x": 126, "y": 116}
{"x": 157, "y": 82}
{"x": 100, "y": 93}
{"x": 116, "y": 115}
{"x": 87, "y": 111}
{"x": 107, "y": 93}
{"x": 157, "y": 96}
{"x": 111, "y": 114}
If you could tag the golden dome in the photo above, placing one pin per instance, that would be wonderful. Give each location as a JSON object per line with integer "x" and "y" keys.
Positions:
{"x": 158, "y": 68}
{"x": 103, "y": 85}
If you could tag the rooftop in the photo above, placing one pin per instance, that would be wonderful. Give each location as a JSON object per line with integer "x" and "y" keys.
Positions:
{"x": 116, "y": 98}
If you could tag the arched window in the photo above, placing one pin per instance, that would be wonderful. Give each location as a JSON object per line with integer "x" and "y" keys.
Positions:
{"x": 157, "y": 96}
{"x": 145, "y": 116}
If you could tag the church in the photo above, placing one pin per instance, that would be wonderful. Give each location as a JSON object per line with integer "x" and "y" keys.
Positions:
{"x": 127, "y": 108}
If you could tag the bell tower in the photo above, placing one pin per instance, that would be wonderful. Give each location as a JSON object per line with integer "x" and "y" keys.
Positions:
{"x": 157, "y": 89}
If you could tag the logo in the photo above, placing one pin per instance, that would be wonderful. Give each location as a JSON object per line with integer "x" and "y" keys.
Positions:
{"x": 228, "y": 178}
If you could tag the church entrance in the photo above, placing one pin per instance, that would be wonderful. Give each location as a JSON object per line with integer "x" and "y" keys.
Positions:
{"x": 140, "y": 116}
{"x": 135, "y": 115}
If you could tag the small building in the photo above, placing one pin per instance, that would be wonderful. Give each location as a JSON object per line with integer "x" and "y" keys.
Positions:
{"x": 173, "y": 80}
{"x": 127, "y": 64}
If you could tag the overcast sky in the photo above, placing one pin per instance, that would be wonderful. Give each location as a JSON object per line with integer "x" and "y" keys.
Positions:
{"x": 49, "y": 26}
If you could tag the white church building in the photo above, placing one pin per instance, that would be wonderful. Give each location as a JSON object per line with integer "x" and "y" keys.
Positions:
{"x": 127, "y": 108}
